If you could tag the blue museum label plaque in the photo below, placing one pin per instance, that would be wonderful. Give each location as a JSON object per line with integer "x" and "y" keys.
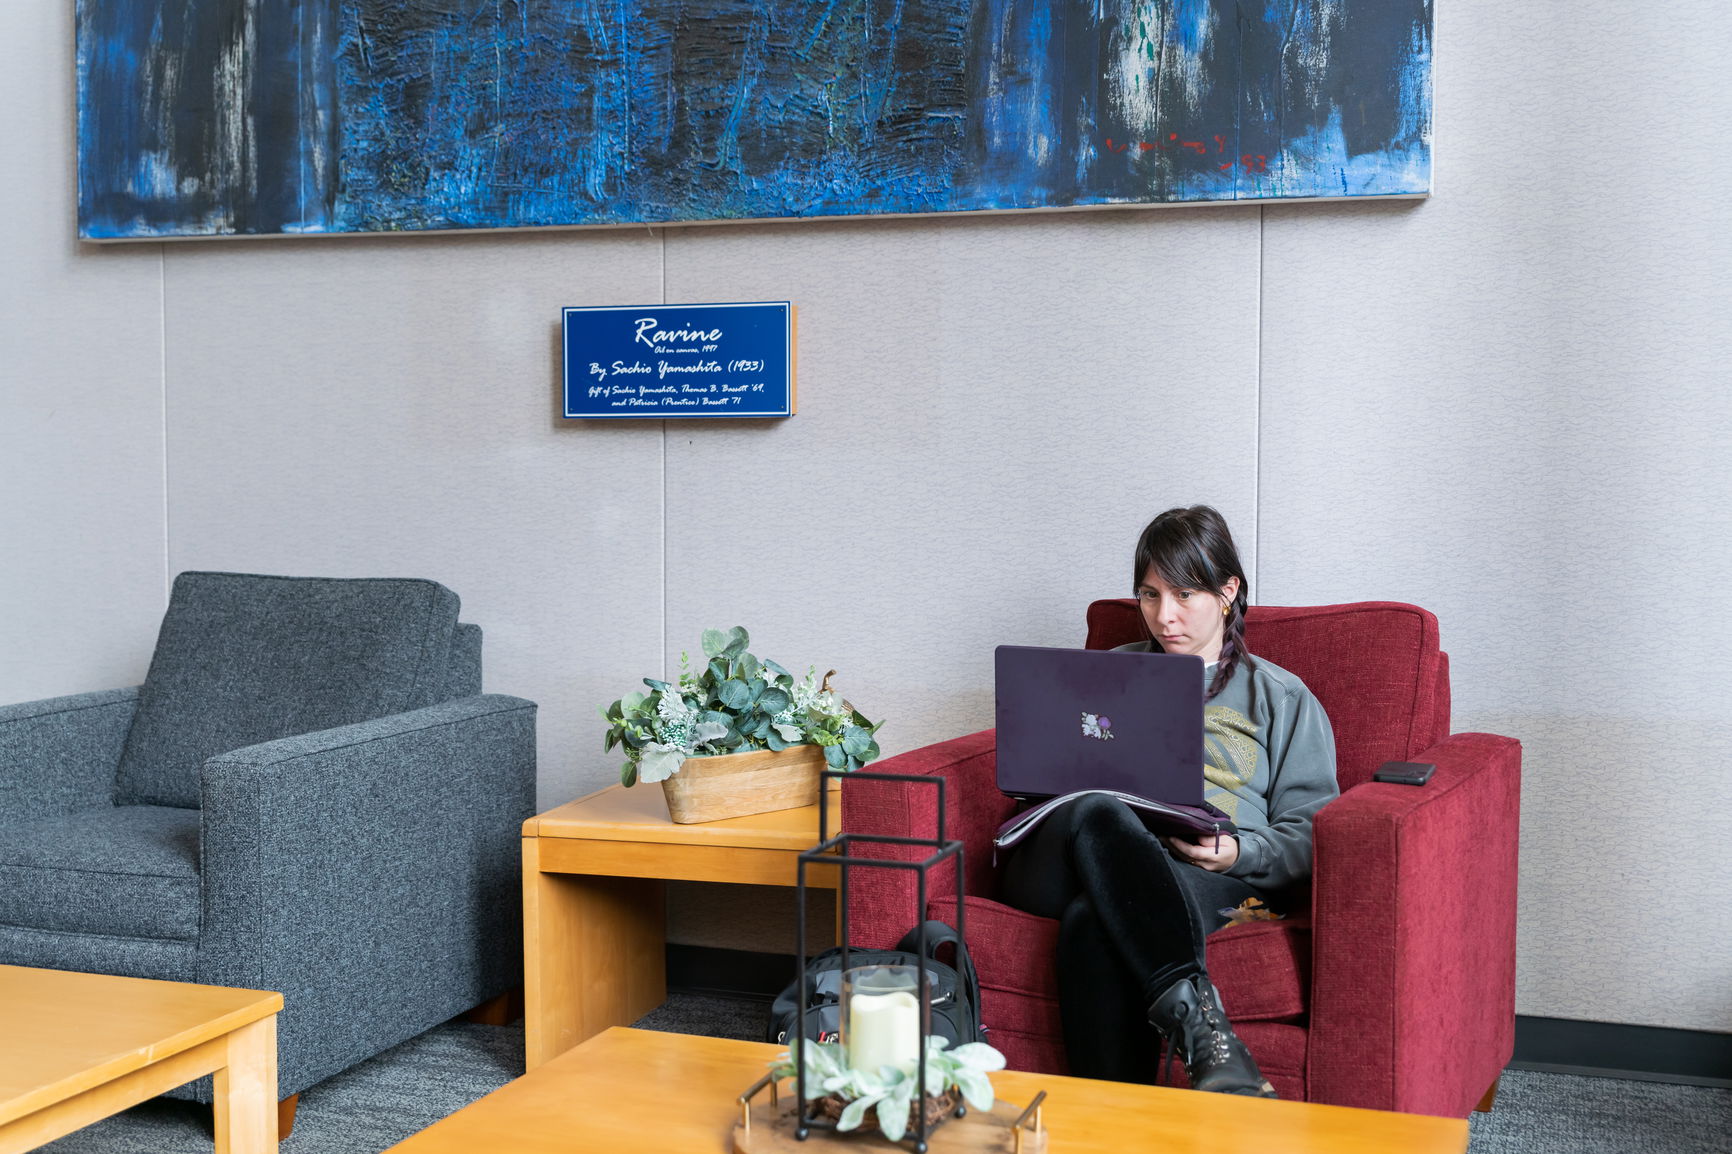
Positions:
{"x": 711, "y": 360}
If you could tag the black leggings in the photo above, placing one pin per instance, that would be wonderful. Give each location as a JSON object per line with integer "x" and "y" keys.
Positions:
{"x": 1132, "y": 922}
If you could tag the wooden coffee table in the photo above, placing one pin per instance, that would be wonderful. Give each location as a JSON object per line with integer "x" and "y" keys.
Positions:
{"x": 648, "y": 1092}
{"x": 75, "y": 1048}
{"x": 595, "y": 905}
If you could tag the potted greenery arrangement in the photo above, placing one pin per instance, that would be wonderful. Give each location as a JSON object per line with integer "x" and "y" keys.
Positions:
{"x": 846, "y": 1094}
{"x": 739, "y": 736}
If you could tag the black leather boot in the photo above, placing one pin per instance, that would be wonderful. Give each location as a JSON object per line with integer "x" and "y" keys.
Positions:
{"x": 1188, "y": 1015}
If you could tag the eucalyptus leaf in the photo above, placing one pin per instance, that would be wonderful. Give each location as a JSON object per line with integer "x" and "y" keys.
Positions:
{"x": 628, "y": 774}
{"x": 714, "y": 642}
{"x": 776, "y": 669}
{"x": 976, "y": 1088}
{"x": 774, "y": 699}
{"x": 855, "y": 741}
{"x": 979, "y": 1056}
{"x": 633, "y": 701}
{"x": 846, "y": 1083}
{"x": 938, "y": 1074}
{"x": 738, "y": 639}
{"x": 734, "y": 694}
{"x": 611, "y": 740}
{"x": 855, "y": 1112}
{"x": 821, "y": 1060}
{"x": 663, "y": 686}
{"x": 773, "y": 740}
{"x": 718, "y": 671}
{"x": 834, "y": 755}
{"x": 893, "y": 1110}
{"x": 748, "y": 666}
{"x": 660, "y": 762}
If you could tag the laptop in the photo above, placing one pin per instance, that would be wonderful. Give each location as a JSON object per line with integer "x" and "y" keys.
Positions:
{"x": 1077, "y": 720}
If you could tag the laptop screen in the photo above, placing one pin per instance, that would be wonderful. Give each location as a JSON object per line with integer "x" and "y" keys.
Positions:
{"x": 1071, "y": 719}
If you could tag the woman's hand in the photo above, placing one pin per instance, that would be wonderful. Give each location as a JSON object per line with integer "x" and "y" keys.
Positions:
{"x": 1203, "y": 851}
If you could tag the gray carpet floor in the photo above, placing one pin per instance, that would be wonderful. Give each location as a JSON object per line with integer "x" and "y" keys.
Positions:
{"x": 382, "y": 1101}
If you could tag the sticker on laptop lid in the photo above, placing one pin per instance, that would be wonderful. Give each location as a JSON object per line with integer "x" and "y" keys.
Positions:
{"x": 1098, "y": 726}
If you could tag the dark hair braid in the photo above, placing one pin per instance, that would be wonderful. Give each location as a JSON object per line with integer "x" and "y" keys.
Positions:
{"x": 1232, "y": 643}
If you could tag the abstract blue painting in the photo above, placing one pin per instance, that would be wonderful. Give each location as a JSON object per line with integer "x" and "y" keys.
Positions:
{"x": 253, "y": 117}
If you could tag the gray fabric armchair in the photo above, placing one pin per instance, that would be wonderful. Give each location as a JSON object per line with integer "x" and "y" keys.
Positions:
{"x": 308, "y": 794}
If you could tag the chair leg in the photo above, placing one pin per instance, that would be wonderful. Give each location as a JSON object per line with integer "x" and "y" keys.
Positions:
{"x": 500, "y": 1011}
{"x": 1484, "y": 1106}
{"x": 286, "y": 1115}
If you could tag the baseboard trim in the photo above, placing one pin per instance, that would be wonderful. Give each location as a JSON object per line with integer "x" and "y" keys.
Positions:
{"x": 1616, "y": 1050}
{"x": 1549, "y": 1045}
{"x": 728, "y": 973}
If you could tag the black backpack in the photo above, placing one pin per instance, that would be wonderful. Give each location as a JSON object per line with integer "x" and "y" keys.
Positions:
{"x": 955, "y": 989}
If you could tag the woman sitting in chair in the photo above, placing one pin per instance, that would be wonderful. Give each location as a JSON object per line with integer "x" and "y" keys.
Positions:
{"x": 1135, "y": 907}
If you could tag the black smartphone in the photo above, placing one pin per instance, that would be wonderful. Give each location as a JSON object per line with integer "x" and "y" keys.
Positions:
{"x": 1405, "y": 772}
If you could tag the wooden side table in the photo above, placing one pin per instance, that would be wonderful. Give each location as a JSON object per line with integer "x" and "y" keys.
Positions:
{"x": 75, "y": 1048}
{"x": 595, "y": 903}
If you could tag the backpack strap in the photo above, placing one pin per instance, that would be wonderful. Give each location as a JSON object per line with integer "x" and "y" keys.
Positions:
{"x": 938, "y": 935}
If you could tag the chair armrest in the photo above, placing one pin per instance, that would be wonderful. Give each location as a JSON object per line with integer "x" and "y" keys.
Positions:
{"x": 60, "y": 754}
{"x": 1414, "y": 925}
{"x": 370, "y": 873}
{"x": 881, "y": 902}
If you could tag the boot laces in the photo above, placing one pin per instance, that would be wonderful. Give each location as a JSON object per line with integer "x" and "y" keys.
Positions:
{"x": 1204, "y": 1048}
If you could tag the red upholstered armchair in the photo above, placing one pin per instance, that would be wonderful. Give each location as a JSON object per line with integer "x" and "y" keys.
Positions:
{"x": 1397, "y": 992}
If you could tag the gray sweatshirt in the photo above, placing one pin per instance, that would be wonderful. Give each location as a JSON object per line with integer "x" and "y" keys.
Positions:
{"x": 1269, "y": 764}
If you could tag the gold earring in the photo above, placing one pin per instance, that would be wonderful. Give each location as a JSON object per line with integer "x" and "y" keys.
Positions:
{"x": 1226, "y": 610}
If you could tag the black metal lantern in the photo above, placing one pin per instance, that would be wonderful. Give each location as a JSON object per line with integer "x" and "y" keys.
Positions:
{"x": 838, "y": 851}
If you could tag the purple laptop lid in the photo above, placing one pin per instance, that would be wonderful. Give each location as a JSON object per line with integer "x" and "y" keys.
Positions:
{"x": 1145, "y": 736}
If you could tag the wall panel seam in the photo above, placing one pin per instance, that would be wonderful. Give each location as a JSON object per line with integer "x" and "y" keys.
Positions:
{"x": 162, "y": 396}
{"x": 667, "y": 669}
{"x": 1257, "y": 426}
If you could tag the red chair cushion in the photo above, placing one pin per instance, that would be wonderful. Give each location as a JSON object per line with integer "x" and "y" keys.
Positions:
{"x": 1012, "y": 950}
{"x": 1263, "y": 970}
{"x": 1038, "y": 1053}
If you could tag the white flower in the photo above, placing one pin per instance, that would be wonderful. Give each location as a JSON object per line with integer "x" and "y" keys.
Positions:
{"x": 674, "y": 708}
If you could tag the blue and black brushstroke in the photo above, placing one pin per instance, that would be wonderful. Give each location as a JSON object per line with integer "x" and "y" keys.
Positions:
{"x": 205, "y": 117}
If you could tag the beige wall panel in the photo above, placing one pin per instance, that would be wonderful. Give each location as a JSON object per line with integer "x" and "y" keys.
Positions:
{"x": 1509, "y": 405}
{"x": 81, "y": 532}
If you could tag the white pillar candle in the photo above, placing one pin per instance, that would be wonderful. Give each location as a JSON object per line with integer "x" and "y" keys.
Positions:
{"x": 883, "y": 1030}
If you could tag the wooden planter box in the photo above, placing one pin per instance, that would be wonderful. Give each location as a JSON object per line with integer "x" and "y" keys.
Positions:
{"x": 737, "y": 784}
